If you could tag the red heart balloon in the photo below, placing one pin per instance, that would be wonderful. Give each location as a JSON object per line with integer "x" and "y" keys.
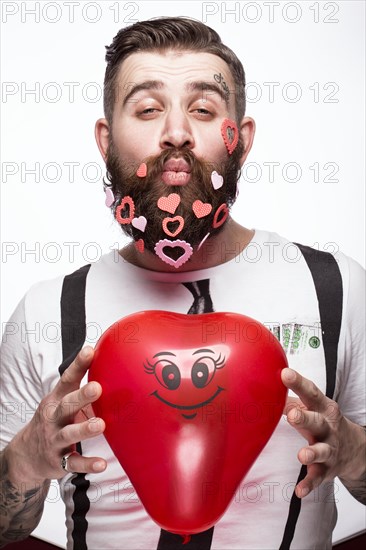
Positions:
{"x": 189, "y": 402}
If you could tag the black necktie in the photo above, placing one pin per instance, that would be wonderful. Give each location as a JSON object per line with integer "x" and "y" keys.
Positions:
{"x": 202, "y": 300}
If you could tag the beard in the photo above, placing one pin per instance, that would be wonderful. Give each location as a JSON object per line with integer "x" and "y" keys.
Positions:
{"x": 146, "y": 191}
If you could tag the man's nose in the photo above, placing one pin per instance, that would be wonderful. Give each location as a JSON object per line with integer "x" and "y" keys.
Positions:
{"x": 177, "y": 131}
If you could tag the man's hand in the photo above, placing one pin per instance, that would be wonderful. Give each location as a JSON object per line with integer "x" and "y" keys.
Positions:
{"x": 336, "y": 446}
{"x": 60, "y": 421}
{"x": 33, "y": 457}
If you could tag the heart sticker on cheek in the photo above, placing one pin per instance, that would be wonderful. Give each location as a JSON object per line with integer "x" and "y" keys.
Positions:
{"x": 174, "y": 233}
{"x": 186, "y": 248}
{"x": 131, "y": 205}
{"x": 230, "y": 134}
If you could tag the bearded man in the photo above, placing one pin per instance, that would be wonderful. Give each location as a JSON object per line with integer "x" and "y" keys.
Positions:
{"x": 174, "y": 138}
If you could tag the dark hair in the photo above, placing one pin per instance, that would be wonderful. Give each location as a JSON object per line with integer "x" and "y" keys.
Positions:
{"x": 159, "y": 34}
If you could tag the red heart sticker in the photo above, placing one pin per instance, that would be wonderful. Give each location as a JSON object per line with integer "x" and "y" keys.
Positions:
{"x": 189, "y": 402}
{"x": 140, "y": 245}
{"x": 230, "y": 134}
{"x": 222, "y": 211}
{"x": 169, "y": 203}
{"x": 131, "y": 205}
{"x": 141, "y": 170}
{"x": 178, "y": 219}
{"x": 201, "y": 209}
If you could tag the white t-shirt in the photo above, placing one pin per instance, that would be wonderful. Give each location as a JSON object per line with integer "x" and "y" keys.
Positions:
{"x": 270, "y": 282}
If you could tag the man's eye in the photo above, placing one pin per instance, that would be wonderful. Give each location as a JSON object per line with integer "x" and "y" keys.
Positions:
{"x": 202, "y": 111}
{"x": 148, "y": 111}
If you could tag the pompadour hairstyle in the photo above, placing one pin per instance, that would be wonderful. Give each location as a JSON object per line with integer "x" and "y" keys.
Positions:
{"x": 163, "y": 33}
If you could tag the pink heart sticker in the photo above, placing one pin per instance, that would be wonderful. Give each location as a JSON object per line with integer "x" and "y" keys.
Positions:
{"x": 109, "y": 197}
{"x": 187, "y": 251}
{"x": 139, "y": 223}
{"x": 230, "y": 134}
{"x": 169, "y": 203}
{"x": 172, "y": 220}
{"x": 203, "y": 240}
{"x": 141, "y": 170}
{"x": 216, "y": 180}
{"x": 201, "y": 209}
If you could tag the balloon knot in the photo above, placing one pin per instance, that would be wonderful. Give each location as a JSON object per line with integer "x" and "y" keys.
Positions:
{"x": 186, "y": 539}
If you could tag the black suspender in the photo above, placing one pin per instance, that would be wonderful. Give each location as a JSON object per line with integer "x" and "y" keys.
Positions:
{"x": 73, "y": 332}
{"x": 73, "y": 327}
{"x": 328, "y": 285}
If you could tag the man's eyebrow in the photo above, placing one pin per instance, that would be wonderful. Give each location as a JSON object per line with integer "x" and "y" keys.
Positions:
{"x": 146, "y": 85}
{"x": 201, "y": 86}
{"x": 204, "y": 86}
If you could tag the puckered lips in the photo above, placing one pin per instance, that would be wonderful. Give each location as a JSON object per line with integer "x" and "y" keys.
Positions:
{"x": 176, "y": 172}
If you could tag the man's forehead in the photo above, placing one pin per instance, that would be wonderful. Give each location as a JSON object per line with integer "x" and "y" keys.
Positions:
{"x": 165, "y": 65}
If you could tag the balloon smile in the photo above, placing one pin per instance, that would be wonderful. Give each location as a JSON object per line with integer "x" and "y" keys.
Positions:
{"x": 189, "y": 407}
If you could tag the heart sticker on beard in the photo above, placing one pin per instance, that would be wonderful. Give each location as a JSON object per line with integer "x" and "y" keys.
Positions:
{"x": 176, "y": 219}
{"x": 169, "y": 203}
{"x": 140, "y": 245}
{"x": 216, "y": 180}
{"x": 141, "y": 170}
{"x": 230, "y": 134}
{"x": 139, "y": 223}
{"x": 201, "y": 209}
{"x": 220, "y": 216}
{"x": 180, "y": 248}
{"x": 189, "y": 402}
{"x": 126, "y": 201}
{"x": 109, "y": 197}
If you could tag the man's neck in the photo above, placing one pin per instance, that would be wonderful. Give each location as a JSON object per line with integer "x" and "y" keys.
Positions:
{"x": 221, "y": 248}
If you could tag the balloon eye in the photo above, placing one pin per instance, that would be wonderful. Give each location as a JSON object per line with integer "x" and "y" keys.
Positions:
{"x": 171, "y": 376}
{"x": 200, "y": 375}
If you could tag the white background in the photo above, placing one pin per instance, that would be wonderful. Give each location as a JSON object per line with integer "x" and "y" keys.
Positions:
{"x": 305, "y": 71}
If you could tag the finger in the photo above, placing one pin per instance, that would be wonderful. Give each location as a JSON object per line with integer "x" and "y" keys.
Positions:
{"x": 304, "y": 419}
{"x": 292, "y": 402}
{"x": 310, "y": 424}
{"x": 317, "y": 453}
{"x": 308, "y": 392}
{"x": 84, "y": 465}
{"x": 71, "y": 434}
{"x": 314, "y": 477}
{"x": 73, "y": 402}
{"x": 73, "y": 375}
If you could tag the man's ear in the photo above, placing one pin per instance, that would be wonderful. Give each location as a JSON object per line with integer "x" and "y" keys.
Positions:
{"x": 102, "y": 136}
{"x": 247, "y": 131}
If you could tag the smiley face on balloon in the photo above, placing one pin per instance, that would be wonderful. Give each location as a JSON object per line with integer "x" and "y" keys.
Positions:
{"x": 191, "y": 377}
